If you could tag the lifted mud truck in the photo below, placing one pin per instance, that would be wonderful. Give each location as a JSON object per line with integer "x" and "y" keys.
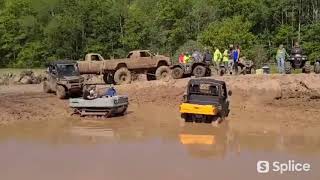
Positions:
{"x": 63, "y": 78}
{"x": 297, "y": 61}
{"x": 197, "y": 69}
{"x": 104, "y": 106}
{"x": 206, "y": 101}
{"x": 120, "y": 71}
{"x": 317, "y": 66}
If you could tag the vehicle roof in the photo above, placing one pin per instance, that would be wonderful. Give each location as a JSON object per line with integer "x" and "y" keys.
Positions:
{"x": 62, "y": 62}
{"x": 206, "y": 81}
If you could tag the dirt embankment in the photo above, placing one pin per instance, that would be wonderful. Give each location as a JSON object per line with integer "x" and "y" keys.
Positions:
{"x": 269, "y": 103}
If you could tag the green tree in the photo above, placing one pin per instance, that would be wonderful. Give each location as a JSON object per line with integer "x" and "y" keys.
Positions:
{"x": 235, "y": 30}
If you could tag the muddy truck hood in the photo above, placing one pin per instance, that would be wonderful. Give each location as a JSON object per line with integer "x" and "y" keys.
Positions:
{"x": 72, "y": 78}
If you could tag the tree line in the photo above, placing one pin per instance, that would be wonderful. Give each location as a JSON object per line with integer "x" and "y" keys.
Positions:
{"x": 33, "y": 32}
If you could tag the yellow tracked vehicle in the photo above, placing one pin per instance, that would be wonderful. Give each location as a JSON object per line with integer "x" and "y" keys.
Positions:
{"x": 206, "y": 100}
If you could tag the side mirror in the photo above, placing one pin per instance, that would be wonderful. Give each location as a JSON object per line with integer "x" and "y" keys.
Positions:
{"x": 229, "y": 93}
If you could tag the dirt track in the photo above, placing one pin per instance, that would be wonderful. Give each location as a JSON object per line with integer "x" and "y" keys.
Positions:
{"x": 264, "y": 103}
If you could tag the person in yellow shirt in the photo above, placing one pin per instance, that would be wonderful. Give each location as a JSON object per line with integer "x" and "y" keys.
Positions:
{"x": 217, "y": 57}
{"x": 225, "y": 59}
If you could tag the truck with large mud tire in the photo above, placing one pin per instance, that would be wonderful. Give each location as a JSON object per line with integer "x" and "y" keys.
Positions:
{"x": 297, "y": 61}
{"x": 206, "y": 101}
{"x": 317, "y": 66}
{"x": 197, "y": 69}
{"x": 120, "y": 71}
{"x": 63, "y": 78}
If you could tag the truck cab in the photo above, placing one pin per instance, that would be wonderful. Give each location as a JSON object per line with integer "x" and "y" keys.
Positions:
{"x": 91, "y": 64}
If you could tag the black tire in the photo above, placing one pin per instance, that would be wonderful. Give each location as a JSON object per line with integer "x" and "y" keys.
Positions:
{"x": 151, "y": 76}
{"x": 199, "y": 71}
{"x": 317, "y": 67}
{"x": 122, "y": 76}
{"x": 307, "y": 68}
{"x": 46, "y": 87}
{"x": 162, "y": 73}
{"x": 108, "y": 79}
{"x": 287, "y": 67}
{"x": 222, "y": 72}
{"x": 61, "y": 92}
{"x": 177, "y": 73}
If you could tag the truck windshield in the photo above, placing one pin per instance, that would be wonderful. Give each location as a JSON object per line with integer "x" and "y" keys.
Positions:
{"x": 68, "y": 70}
{"x": 204, "y": 89}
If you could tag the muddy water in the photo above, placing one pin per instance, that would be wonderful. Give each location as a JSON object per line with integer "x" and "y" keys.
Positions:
{"x": 148, "y": 143}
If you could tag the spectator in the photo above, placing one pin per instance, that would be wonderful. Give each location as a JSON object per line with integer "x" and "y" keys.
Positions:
{"x": 207, "y": 58}
{"x": 236, "y": 59}
{"x": 181, "y": 58}
{"x": 280, "y": 57}
{"x": 217, "y": 56}
{"x": 196, "y": 55}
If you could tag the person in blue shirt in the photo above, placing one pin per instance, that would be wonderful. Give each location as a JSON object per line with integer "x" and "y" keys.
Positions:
{"x": 236, "y": 55}
{"x": 111, "y": 91}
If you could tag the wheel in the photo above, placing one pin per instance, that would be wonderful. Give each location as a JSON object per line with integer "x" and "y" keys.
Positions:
{"x": 317, "y": 67}
{"x": 46, "y": 87}
{"x": 162, "y": 72}
{"x": 307, "y": 68}
{"x": 108, "y": 79}
{"x": 177, "y": 73}
{"x": 222, "y": 72}
{"x": 287, "y": 67}
{"x": 61, "y": 92}
{"x": 151, "y": 76}
{"x": 199, "y": 71}
{"x": 122, "y": 76}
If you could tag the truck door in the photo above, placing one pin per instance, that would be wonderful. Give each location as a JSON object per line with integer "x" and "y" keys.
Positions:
{"x": 95, "y": 64}
{"x": 146, "y": 59}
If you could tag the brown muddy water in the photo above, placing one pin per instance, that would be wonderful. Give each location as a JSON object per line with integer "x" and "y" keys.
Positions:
{"x": 148, "y": 144}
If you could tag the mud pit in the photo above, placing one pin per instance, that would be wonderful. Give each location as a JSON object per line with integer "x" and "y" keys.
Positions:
{"x": 272, "y": 118}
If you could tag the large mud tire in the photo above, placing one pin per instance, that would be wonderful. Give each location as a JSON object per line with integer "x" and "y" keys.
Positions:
{"x": 307, "y": 68}
{"x": 177, "y": 73}
{"x": 317, "y": 67}
{"x": 46, "y": 87}
{"x": 122, "y": 76}
{"x": 199, "y": 71}
{"x": 61, "y": 92}
{"x": 162, "y": 73}
{"x": 108, "y": 79}
{"x": 151, "y": 76}
{"x": 287, "y": 67}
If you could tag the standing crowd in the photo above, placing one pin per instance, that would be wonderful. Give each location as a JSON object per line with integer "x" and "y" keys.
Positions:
{"x": 229, "y": 59}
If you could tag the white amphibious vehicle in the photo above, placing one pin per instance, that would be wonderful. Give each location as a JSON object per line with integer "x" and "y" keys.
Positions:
{"x": 105, "y": 106}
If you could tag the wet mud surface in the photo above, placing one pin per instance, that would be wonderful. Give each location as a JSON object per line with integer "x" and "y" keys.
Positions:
{"x": 271, "y": 119}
